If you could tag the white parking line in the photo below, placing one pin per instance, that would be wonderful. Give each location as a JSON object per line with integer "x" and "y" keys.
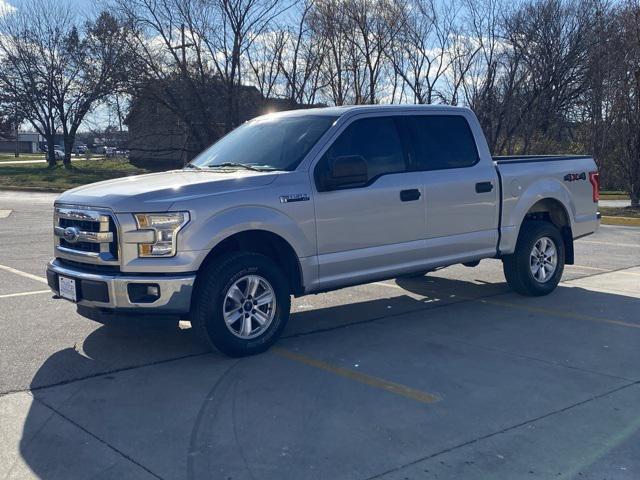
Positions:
{"x": 588, "y": 268}
{"x": 382, "y": 284}
{"x": 23, "y": 274}
{"x": 621, "y": 272}
{"x": 610, "y": 244}
{"x": 548, "y": 311}
{"x": 23, "y": 294}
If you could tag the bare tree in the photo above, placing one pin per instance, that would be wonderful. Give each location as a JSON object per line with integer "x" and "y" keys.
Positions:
{"x": 424, "y": 52}
{"x": 302, "y": 59}
{"x": 93, "y": 68}
{"x": 32, "y": 39}
{"x": 530, "y": 71}
{"x": 487, "y": 77}
{"x": 339, "y": 70}
{"x": 625, "y": 98}
{"x": 374, "y": 26}
{"x": 264, "y": 59}
{"x": 169, "y": 49}
{"x": 552, "y": 39}
{"x": 228, "y": 29}
{"x": 10, "y": 117}
{"x": 192, "y": 57}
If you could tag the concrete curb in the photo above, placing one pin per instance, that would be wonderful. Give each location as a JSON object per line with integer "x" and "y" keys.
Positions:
{"x": 625, "y": 221}
{"x": 13, "y": 188}
{"x": 614, "y": 197}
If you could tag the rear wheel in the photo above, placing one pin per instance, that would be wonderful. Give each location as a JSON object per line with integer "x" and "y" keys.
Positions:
{"x": 241, "y": 304}
{"x": 536, "y": 266}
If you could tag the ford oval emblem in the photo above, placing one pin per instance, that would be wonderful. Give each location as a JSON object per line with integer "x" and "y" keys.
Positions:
{"x": 71, "y": 234}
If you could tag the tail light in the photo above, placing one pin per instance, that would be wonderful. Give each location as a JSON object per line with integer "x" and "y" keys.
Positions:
{"x": 594, "y": 179}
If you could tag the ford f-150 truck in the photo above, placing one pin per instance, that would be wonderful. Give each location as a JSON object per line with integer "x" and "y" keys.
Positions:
{"x": 307, "y": 201}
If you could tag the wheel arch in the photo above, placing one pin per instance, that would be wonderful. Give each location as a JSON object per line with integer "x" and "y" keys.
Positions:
{"x": 552, "y": 210}
{"x": 266, "y": 243}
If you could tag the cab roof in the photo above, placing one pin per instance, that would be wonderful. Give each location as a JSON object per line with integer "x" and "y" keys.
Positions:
{"x": 353, "y": 109}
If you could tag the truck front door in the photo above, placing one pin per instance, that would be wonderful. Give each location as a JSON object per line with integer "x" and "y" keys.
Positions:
{"x": 368, "y": 226}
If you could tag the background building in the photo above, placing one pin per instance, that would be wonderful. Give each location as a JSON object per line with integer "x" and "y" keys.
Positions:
{"x": 28, "y": 142}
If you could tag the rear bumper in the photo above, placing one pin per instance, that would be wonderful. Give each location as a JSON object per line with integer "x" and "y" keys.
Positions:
{"x": 114, "y": 292}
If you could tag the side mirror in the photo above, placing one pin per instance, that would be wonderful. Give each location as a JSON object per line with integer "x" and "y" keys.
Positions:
{"x": 346, "y": 171}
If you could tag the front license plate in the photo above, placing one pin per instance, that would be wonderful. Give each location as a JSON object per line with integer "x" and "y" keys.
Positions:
{"x": 68, "y": 288}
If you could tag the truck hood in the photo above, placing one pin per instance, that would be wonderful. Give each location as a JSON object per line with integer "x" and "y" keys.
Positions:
{"x": 156, "y": 192}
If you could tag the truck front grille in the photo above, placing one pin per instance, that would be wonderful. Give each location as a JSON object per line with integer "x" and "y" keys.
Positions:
{"x": 86, "y": 235}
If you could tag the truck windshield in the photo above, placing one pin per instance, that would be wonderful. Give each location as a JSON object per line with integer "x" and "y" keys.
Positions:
{"x": 276, "y": 143}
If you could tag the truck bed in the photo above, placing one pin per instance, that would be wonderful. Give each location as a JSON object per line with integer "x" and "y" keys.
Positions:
{"x": 563, "y": 178}
{"x": 504, "y": 159}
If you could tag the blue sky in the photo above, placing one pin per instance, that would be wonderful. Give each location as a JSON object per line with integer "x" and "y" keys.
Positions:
{"x": 82, "y": 6}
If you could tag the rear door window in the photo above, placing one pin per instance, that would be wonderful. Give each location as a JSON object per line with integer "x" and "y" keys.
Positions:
{"x": 441, "y": 141}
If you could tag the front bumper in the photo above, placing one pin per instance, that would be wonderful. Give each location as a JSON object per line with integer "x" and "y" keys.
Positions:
{"x": 111, "y": 291}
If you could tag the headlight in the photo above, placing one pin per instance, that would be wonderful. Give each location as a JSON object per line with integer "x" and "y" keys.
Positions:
{"x": 166, "y": 227}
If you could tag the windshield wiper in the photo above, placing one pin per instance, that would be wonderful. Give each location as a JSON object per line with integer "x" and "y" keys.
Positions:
{"x": 191, "y": 165}
{"x": 242, "y": 165}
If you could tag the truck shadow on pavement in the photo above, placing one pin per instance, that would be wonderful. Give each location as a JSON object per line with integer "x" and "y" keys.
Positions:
{"x": 175, "y": 420}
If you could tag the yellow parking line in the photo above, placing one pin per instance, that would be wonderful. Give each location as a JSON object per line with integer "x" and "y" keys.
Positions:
{"x": 22, "y": 294}
{"x": 376, "y": 382}
{"x": 23, "y": 274}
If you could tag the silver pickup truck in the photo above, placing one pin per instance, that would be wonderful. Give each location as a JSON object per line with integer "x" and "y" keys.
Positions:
{"x": 308, "y": 201}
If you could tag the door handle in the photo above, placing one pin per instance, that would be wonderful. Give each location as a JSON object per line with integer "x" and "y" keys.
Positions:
{"x": 484, "y": 187}
{"x": 410, "y": 195}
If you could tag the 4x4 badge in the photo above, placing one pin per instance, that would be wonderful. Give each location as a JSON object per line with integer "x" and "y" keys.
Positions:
{"x": 572, "y": 177}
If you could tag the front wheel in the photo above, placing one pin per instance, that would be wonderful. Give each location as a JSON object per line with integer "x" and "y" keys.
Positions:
{"x": 536, "y": 266}
{"x": 241, "y": 304}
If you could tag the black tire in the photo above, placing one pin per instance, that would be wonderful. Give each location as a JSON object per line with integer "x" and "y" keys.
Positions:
{"x": 212, "y": 285}
{"x": 517, "y": 268}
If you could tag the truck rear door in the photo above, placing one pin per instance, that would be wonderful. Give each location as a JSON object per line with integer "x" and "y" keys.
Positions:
{"x": 461, "y": 186}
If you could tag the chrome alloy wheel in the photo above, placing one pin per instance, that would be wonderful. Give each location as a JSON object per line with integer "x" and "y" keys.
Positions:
{"x": 543, "y": 259}
{"x": 249, "y": 306}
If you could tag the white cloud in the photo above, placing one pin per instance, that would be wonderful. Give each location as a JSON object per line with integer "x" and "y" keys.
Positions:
{"x": 6, "y": 7}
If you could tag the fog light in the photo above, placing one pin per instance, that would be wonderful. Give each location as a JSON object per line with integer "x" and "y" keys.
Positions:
{"x": 143, "y": 292}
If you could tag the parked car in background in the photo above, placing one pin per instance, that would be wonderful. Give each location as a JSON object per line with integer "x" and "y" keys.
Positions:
{"x": 308, "y": 201}
{"x": 58, "y": 151}
{"x": 110, "y": 151}
{"x": 107, "y": 150}
{"x": 79, "y": 149}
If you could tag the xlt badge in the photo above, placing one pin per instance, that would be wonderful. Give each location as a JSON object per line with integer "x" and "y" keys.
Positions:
{"x": 294, "y": 197}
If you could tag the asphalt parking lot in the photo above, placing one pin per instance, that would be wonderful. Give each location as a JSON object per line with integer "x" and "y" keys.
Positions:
{"x": 450, "y": 376}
